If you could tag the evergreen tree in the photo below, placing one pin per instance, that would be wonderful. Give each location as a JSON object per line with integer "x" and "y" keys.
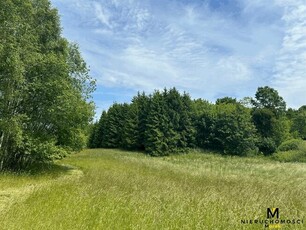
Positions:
{"x": 186, "y": 129}
{"x": 101, "y": 131}
{"x": 111, "y": 134}
{"x": 203, "y": 115}
{"x": 130, "y": 129}
{"x": 93, "y": 137}
{"x": 157, "y": 122}
{"x": 142, "y": 102}
{"x": 168, "y": 122}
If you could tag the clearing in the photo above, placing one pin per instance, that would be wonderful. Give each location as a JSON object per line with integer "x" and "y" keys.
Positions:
{"x": 114, "y": 189}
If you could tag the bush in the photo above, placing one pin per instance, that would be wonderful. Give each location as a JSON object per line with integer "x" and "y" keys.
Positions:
{"x": 291, "y": 156}
{"x": 34, "y": 151}
{"x": 297, "y": 153}
{"x": 292, "y": 144}
{"x": 267, "y": 146}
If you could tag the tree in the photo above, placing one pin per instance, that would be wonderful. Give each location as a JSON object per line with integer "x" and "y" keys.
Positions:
{"x": 156, "y": 143}
{"x": 264, "y": 119}
{"x": 113, "y": 127}
{"x": 271, "y": 129}
{"x": 234, "y": 130}
{"x": 226, "y": 100}
{"x": 93, "y": 139}
{"x": 227, "y": 128}
{"x": 168, "y": 122}
{"x": 270, "y": 119}
{"x": 44, "y": 86}
{"x": 187, "y": 128}
{"x": 269, "y": 98}
{"x": 205, "y": 129}
{"x": 299, "y": 122}
{"x": 141, "y": 102}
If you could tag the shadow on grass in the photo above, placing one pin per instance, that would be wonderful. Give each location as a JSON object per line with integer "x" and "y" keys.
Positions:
{"x": 41, "y": 169}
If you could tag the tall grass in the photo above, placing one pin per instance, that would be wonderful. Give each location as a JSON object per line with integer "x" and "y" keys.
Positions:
{"x": 113, "y": 189}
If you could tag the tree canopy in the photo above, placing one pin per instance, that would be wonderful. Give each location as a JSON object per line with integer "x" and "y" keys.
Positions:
{"x": 44, "y": 86}
{"x": 168, "y": 122}
{"x": 267, "y": 97}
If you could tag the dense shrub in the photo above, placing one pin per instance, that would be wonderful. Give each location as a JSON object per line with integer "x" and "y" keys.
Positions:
{"x": 267, "y": 146}
{"x": 291, "y": 156}
{"x": 292, "y": 144}
{"x": 291, "y": 151}
{"x": 32, "y": 151}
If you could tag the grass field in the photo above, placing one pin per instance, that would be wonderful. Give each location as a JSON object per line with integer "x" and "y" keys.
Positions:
{"x": 113, "y": 189}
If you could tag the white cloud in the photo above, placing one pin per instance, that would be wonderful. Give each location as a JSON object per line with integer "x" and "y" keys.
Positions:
{"x": 290, "y": 68}
{"x": 102, "y": 14}
{"x": 142, "y": 45}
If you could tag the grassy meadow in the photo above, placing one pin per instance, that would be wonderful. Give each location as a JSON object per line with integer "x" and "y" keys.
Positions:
{"x": 114, "y": 189}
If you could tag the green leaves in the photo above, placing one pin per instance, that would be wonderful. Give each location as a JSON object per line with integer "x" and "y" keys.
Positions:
{"x": 159, "y": 123}
{"x": 227, "y": 128}
{"x": 168, "y": 122}
{"x": 269, "y": 98}
{"x": 44, "y": 85}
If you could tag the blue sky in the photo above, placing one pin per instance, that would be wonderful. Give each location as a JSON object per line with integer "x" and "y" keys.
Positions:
{"x": 209, "y": 48}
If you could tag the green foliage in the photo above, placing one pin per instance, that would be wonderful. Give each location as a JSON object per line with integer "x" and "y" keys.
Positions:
{"x": 291, "y": 151}
{"x": 169, "y": 127}
{"x": 267, "y": 146}
{"x": 93, "y": 139}
{"x": 130, "y": 133}
{"x": 264, "y": 119}
{"x": 269, "y": 98}
{"x": 160, "y": 124}
{"x": 158, "y": 127}
{"x": 44, "y": 85}
{"x": 299, "y": 123}
{"x": 227, "y": 128}
{"x": 292, "y": 144}
{"x": 141, "y": 102}
{"x": 291, "y": 156}
{"x": 272, "y": 129}
{"x": 281, "y": 130}
{"x": 168, "y": 122}
{"x": 226, "y": 100}
{"x": 32, "y": 151}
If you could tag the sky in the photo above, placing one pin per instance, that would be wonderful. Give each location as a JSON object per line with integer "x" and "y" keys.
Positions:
{"x": 208, "y": 48}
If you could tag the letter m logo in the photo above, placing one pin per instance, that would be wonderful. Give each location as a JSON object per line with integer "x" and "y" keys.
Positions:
{"x": 272, "y": 213}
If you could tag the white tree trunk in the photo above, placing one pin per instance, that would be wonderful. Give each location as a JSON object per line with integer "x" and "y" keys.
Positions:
{"x": 1, "y": 140}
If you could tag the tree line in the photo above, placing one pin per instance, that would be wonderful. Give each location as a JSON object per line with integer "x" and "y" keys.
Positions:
{"x": 167, "y": 122}
{"x": 45, "y": 87}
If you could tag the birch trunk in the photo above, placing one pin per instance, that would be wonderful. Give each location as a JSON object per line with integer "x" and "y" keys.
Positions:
{"x": 1, "y": 140}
